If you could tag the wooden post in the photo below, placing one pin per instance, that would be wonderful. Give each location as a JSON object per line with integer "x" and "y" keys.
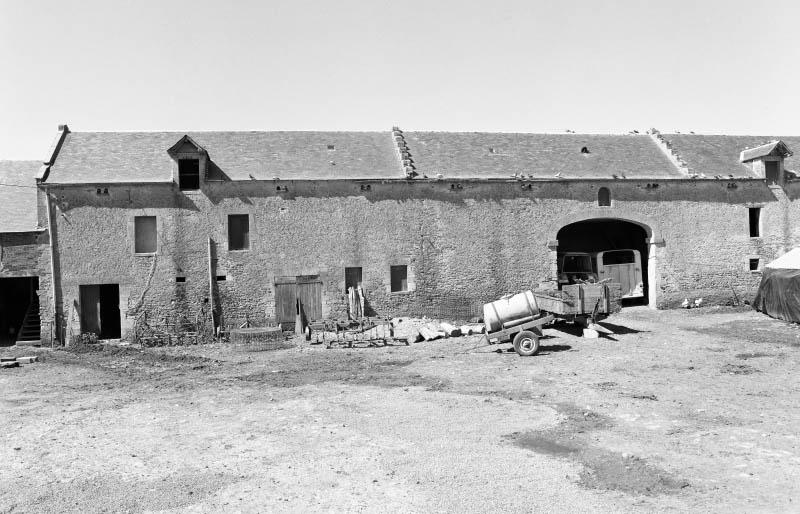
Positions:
{"x": 298, "y": 320}
{"x": 211, "y": 300}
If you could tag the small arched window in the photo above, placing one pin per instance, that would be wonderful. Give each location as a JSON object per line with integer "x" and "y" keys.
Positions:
{"x": 604, "y": 197}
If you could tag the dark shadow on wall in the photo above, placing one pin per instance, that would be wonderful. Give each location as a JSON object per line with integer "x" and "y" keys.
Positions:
{"x": 215, "y": 178}
{"x": 716, "y": 191}
{"x": 167, "y": 195}
{"x": 161, "y": 196}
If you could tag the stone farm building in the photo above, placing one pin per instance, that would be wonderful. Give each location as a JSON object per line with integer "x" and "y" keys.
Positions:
{"x": 165, "y": 223}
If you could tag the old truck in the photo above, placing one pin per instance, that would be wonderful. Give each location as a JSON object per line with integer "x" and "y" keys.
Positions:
{"x": 519, "y": 318}
{"x": 622, "y": 266}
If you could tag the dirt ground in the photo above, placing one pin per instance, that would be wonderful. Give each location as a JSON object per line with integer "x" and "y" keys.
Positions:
{"x": 680, "y": 411}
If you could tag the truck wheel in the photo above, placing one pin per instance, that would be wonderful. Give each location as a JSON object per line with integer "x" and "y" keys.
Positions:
{"x": 526, "y": 343}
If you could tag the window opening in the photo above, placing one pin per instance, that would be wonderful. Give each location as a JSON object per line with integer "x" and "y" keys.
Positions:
{"x": 577, "y": 264}
{"x": 189, "y": 174}
{"x": 771, "y": 172}
{"x": 604, "y": 197}
{"x": 399, "y": 278}
{"x": 619, "y": 257}
{"x": 238, "y": 232}
{"x": 755, "y": 221}
{"x": 221, "y": 278}
{"x": 754, "y": 264}
{"x": 352, "y": 277}
{"x": 145, "y": 236}
{"x": 180, "y": 280}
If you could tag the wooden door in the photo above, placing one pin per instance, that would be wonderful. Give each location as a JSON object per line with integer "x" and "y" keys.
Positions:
{"x": 90, "y": 309}
{"x": 624, "y": 275}
{"x": 309, "y": 293}
{"x": 285, "y": 298}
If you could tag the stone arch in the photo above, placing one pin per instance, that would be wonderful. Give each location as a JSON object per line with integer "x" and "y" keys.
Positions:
{"x": 653, "y": 241}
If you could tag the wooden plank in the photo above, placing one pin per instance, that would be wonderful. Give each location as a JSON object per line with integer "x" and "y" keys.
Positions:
{"x": 285, "y": 296}
{"x": 211, "y": 279}
{"x": 310, "y": 295}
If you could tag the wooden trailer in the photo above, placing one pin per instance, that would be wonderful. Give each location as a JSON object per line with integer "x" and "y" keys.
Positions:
{"x": 580, "y": 303}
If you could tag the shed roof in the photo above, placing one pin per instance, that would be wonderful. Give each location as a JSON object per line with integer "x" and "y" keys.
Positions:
{"x": 720, "y": 155}
{"x": 18, "y": 210}
{"x": 789, "y": 260}
{"x": 773, "y": 148}
{"x": 108, "y": 157}
{"x": 499, "y": 155}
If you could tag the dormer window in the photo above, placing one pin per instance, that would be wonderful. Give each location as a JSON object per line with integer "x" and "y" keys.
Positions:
{"x": 192, "y": 161}
{"x": 189, "y": 174}
{"x": 766, "y": 161}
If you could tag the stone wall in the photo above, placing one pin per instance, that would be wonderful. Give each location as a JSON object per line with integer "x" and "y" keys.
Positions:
{"x": 465, "y": 243}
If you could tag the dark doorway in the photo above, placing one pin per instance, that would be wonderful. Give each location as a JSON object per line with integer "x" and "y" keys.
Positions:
{"x": 19, "y": 307}
{"x": 100, "y": 310}
{"x": 600, "y": 235}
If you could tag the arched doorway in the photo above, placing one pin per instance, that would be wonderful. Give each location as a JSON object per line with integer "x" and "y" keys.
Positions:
{"x": 609, "y": 241}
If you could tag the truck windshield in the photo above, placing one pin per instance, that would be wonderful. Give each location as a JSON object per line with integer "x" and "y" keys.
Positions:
{"x": 619, "y": 257}
{"x": 577, "y": 264}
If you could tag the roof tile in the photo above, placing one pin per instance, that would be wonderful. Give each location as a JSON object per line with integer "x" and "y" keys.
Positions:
{"x": 499, "y": 155}
{"x": 18, "y": 211}
{"x": 107, "y": 157}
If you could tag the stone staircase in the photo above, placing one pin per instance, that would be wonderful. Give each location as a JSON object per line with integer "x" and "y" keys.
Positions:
{"x": 30, "y": 333}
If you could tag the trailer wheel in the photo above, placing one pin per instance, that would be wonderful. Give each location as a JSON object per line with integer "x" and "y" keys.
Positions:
{"x": 526, "y": 343}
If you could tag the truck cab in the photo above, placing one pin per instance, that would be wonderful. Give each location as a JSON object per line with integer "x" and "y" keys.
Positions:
{"x": 575, "y": 267}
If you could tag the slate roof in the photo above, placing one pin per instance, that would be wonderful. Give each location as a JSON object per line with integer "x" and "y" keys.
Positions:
{"x": 108, "y": 157}
{"x": 114, "y": 157}
{"x": 468, "y": 155}
{"x": 719, "y": 155}
{"x": 18, "y": 211}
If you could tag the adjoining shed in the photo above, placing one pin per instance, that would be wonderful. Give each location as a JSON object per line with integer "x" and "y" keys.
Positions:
{"x": 25, "y": 304}
{"x": 779, "y": 292}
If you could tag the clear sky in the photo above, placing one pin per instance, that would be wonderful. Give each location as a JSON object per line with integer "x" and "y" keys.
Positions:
{"x": 462, "y": 65}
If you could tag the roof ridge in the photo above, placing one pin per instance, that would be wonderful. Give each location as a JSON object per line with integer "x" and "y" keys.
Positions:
{"x": 569, "y": 134}
{"x": 403, "y": 153}
{"x": 673, "y": 156}
{"x": 184, "y": 132}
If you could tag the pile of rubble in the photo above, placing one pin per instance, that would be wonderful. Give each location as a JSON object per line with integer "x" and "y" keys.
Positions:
{"x": 415, "y": 330}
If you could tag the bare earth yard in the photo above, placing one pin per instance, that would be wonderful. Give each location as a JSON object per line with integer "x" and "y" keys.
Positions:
{"x": 680, "y": 411}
